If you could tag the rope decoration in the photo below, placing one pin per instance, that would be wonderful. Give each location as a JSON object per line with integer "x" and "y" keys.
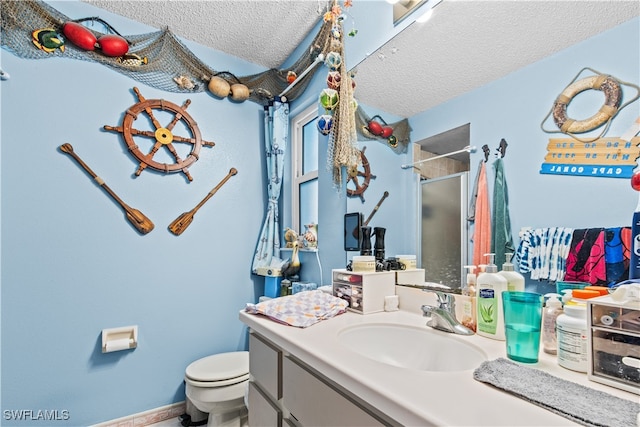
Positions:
{"x": 343, "y": 148}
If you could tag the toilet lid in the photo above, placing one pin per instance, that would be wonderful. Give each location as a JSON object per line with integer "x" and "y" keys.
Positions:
{"x": 219, "y": 367}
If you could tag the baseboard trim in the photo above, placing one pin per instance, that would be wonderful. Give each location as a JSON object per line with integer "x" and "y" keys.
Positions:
{"x": 149, "y": 417}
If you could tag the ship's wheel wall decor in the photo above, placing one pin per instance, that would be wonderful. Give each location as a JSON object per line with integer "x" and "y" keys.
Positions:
{"x": 156, "y": 145}
{"x": 359, "y": 179}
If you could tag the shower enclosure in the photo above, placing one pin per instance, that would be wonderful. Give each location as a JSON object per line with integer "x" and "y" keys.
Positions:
{"x": 444, "y": 229}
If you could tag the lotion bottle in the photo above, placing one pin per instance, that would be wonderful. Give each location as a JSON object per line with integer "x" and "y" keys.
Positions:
{"x": 469, "y": 303}
{"x": 515, "y": 280}
{"x": 490, "y": 317}
{"x": 552, "y": 309}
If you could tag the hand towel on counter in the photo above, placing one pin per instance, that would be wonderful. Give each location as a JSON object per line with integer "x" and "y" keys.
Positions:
{"x": 501, "y": 239}
{"x": 586, "y": 262}
{"x": 302, "y": 309}
{"x": 482, "y": 217}
{"x": 576, "y": 402}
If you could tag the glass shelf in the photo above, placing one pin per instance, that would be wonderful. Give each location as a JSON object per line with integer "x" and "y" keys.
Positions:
{"x": 300, "y": 249}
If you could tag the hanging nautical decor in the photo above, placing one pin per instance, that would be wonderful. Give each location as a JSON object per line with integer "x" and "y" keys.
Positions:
{"x": 48, "y": 40}
{"x": 343, "y": 151}
{"x": 160, "y": 136}
{"x": 333, "y": 61}
{"x": 394, "y": 135}
{"x": 161, "y": 59}
{"x": 112, "y": 44}
{"x": 133, "y": 60}
{"x": 358, "y": 178}
{"x": 329, "y": 99}
{"x": 609, "y": 85}
{"x": 325, "y": 122}
{"x": 609, "y": 157}
{"x": 135, "y": 217}
{"x": 333, "y": 80}
{"x": 221, "y": 87}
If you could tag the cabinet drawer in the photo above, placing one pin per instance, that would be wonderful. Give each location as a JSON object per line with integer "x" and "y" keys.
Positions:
{"x": 262, "y": 411}
{"x": 312, "y": 402}
{"x": 265, "y": 365}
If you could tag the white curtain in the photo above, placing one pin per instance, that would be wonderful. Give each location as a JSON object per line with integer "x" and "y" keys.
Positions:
{"x": 276, "y": 136}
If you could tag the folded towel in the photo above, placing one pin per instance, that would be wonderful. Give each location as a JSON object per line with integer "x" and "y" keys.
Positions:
{"x": 576, "y": 402}
{"x": 302, "y": 309}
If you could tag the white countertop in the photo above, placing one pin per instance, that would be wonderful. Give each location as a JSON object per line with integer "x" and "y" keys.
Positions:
{"x": 412, "y": 397}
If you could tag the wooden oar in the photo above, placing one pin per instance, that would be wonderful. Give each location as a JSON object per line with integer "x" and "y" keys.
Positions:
{"x": 134, "y": 216}
{"x": 356, "y": 232}
{"x": 184, "y": 220}
{"x": 375, "y": 209}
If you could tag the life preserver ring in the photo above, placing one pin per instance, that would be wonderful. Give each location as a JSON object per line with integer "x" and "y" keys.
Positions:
{"x": 613, "y": 97}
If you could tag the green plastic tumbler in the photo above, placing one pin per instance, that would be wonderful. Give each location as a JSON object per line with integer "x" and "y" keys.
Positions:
{"x": 522, "y": 321}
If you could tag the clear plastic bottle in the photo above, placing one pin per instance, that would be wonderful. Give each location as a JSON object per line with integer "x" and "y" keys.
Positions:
{"x": 489, "y": 312}
{"x": 469, "y": 304}
{"x": 552, "y": 309}
{"x": 515, "y": 280}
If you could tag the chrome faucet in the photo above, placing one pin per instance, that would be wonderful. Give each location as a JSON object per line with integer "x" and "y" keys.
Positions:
{"x": 443, "y": 317}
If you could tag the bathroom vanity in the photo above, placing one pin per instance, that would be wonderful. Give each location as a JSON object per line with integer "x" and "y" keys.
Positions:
{"x": 324, "y": 375}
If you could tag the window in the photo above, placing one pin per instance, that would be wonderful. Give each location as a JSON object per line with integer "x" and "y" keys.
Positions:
{"x": 304, "y": 155}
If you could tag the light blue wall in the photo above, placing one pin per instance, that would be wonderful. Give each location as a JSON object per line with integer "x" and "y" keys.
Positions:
{"x": 72, "y": 265}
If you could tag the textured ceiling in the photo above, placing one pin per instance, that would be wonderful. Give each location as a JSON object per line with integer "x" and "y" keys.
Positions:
{"x": 466, "y": 44}
{"x": 263, "y": 32}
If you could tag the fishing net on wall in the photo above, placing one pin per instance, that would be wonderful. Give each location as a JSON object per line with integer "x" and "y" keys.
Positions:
{"x": 167, "y": 58}
{"x": 401, "y": 132}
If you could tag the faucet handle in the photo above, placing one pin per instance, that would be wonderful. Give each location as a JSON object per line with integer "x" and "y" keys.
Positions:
{"x": 446, "y": 301}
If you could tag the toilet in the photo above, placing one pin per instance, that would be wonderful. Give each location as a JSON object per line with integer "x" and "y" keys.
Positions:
{"x": 216, "y": 385}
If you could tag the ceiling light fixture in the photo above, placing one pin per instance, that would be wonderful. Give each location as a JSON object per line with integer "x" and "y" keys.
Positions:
{"x": 429, "y": 13}
{"x": 425, "y": 16}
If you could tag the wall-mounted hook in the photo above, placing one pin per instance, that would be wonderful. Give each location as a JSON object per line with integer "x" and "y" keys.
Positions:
{"x": 485, "y": 150}
{"x": 503, "y": 147}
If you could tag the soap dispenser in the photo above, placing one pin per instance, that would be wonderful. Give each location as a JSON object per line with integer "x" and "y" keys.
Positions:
{"x": 552, "y": 309}
{"x": 469, "y": 299}
{"x": 515, "y": 280}
{"x": 490, "y": 317}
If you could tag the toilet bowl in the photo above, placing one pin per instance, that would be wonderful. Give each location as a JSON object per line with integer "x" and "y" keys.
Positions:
{"x": 216, "y": 385}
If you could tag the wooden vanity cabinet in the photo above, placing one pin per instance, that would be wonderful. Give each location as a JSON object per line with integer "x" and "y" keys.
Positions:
{"x": 285, "y": 391}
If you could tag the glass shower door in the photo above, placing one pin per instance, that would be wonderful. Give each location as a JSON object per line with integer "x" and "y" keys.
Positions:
{"x": 444, "y": 229}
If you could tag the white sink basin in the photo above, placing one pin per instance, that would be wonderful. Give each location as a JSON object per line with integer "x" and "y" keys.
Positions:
{"x": 411, "y": 347}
